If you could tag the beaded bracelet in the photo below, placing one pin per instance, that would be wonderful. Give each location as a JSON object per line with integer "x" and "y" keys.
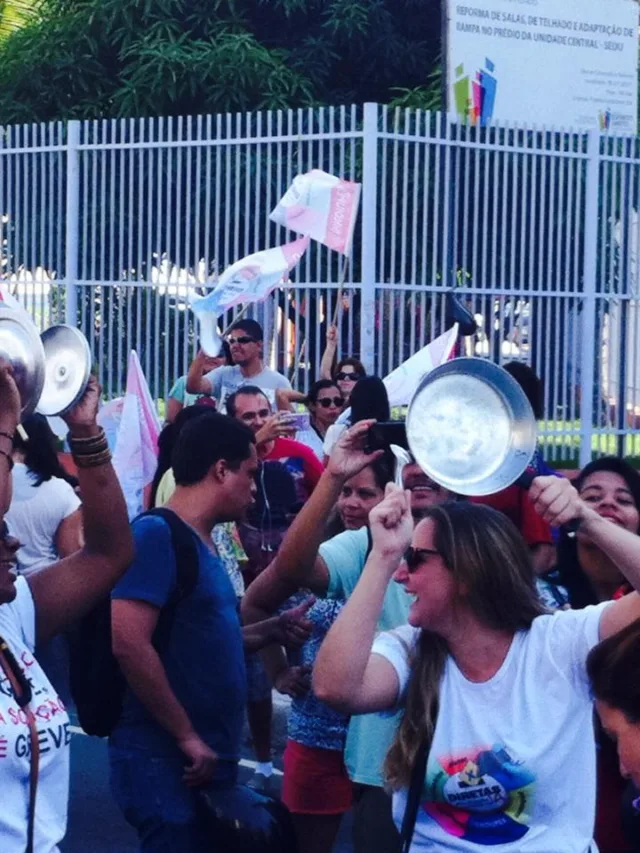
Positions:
{"x": 89, "y": 446}
{"x": 93, "y": 460}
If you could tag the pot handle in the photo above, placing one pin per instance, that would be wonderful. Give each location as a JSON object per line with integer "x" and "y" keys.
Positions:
{"x": 525, "y": 481}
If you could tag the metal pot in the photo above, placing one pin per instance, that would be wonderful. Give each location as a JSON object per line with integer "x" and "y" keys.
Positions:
{"x": 471, "y": 428}
{"x": 52, "y": 370}
{"x": 21, "y": 346}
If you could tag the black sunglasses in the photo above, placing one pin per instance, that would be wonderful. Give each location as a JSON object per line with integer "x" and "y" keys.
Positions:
{"x": 414, "y": 557}
{"x": 353, "y": 377}
{"x": 326, "y": 402}
{"x": 243, "y": 339}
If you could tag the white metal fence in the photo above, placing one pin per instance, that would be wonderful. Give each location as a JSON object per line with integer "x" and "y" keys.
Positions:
{"x": 113, "y": 225}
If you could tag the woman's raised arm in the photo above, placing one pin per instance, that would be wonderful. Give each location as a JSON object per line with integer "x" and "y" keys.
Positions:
{"x": 346, "y": 675}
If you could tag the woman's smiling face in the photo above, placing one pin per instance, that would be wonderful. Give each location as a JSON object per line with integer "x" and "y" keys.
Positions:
{"x": 608, "y": 494}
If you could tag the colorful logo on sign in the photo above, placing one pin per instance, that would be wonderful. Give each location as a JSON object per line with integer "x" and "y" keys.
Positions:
{"x": 605, "y": 120}
{"x": 475, "y": 97}
{"x": 485, "y": 796}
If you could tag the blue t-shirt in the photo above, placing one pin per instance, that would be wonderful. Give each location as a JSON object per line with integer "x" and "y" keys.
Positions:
{"x": 204, "y": 658}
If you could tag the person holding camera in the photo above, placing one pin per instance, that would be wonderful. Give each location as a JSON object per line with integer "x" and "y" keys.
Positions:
{"x": 331, "y": 570}
{"x": 325, "y": 403}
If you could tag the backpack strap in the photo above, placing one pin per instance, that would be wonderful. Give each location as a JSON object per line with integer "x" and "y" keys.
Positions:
{"x": 413, "y": 800}
{"x": 185, "y": 548}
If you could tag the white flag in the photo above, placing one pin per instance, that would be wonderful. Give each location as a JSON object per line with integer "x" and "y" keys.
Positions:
{"x": 403, "y": 382}
{"x": 135, "y": 455}
{"x": 322, "y": 207}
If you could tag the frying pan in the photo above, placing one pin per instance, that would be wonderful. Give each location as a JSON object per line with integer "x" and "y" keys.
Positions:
{"x": 471, "y": 428}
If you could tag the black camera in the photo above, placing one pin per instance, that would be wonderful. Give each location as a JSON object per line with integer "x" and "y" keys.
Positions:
{"x": 386, "y": 433}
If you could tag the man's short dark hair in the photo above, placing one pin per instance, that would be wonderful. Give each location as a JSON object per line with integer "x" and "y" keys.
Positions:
{"x": 245, "y": 391}
{"x": 251, "y": 327}
{"x": 205, "y": 441}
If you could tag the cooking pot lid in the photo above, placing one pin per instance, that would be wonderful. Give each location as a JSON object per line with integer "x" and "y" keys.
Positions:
{"x": 67, "y": 360}
{"x": 20, "y": 345}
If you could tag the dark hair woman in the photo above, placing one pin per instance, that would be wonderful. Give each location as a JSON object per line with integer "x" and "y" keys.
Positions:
{"x": 586, "y": 575}
{"x": 44, "y": 514}
{"x": 494, "y": 691}
{"x": 369, "y": 401}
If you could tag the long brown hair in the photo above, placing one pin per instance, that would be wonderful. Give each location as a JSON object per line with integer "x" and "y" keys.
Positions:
{"x": 489, "y": 560}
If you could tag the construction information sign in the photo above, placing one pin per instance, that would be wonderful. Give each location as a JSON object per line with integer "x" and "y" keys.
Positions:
{"x": 570, "y": 64}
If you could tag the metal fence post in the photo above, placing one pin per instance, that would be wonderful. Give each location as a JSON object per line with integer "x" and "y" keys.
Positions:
{"x": 369, "y": 236}
{"x": 72, "y": 229}
{"x": 588, "y": 377}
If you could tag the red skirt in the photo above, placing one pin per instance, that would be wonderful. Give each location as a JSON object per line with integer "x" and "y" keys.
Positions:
{"x": 315, "y": 781}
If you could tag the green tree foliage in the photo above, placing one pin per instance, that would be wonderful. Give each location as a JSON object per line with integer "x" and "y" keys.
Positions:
{"x": 120, "y": 58}
{"x": 15, "y": 14}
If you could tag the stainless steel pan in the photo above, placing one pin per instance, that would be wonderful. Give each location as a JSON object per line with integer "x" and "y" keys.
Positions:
{"x": 471, "y": 428}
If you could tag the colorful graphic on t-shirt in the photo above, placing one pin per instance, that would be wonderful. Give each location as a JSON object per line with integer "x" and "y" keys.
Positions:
{"x": 484, "y": 796}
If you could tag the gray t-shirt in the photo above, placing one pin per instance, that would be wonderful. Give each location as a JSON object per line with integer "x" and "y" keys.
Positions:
{"x": 226, "y": 380}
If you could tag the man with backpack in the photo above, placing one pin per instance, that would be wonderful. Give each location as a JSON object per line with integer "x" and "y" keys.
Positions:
{"x": 177, "y": 638}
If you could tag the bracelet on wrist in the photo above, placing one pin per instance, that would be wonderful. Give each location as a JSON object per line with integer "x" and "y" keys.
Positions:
{"x": 93, "y": 460}
{"x": 91, "y": 446}
{"x": 10, "y": 435}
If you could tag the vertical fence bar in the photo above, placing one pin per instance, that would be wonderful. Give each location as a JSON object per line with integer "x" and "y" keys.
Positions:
{"x": 72, "y": 224}
{"x": 587, "y": 373}
{"x": 369, "y": 234}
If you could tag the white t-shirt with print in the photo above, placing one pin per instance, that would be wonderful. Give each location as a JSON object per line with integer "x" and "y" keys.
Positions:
{"x": 17, "y": 628}
{"x": 35, "y": 514}
{"x": 512, "y": 766}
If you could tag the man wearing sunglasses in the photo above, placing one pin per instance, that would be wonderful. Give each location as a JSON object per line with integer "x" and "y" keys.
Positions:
{"x": 332, "y": 570}
{"x": 246, "y": 344}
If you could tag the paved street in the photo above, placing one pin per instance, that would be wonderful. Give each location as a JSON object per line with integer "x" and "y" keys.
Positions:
{"x": 96, "y": 826}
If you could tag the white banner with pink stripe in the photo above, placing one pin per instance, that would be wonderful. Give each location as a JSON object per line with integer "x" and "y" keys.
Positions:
{"x": 323, "y": 207}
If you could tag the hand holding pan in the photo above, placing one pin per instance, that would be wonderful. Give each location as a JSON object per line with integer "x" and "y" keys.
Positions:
{"x": 471, "y": 428}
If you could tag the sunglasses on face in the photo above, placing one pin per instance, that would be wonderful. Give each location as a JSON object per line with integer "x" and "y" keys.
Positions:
{"x": 414, "y": 557}
{"x": 327, "y": 402}
{"x": 351, "y": 377}
{"x": 242, "y": 339}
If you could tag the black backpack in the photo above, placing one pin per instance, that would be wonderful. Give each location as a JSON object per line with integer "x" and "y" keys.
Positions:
{"x": 97, "y": 684}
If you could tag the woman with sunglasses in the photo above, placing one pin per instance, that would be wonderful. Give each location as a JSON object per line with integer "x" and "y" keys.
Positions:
{"x": 34, "y": 726}
{"x": 324, "y": 401}
{"x": 495, "y": 744}
{"x": 346, "y": 372}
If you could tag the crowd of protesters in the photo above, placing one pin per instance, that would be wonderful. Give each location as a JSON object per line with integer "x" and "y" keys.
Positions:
{"x": 462, "y": 673}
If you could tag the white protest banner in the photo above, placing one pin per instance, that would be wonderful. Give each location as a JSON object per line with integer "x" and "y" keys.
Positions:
{"x": 136, "y": 448}
{"x": 250, "y": 279}
{"x": 548, "y": 63}
{"x": 322, "y": 207}
{"x": 402, "y": 383}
